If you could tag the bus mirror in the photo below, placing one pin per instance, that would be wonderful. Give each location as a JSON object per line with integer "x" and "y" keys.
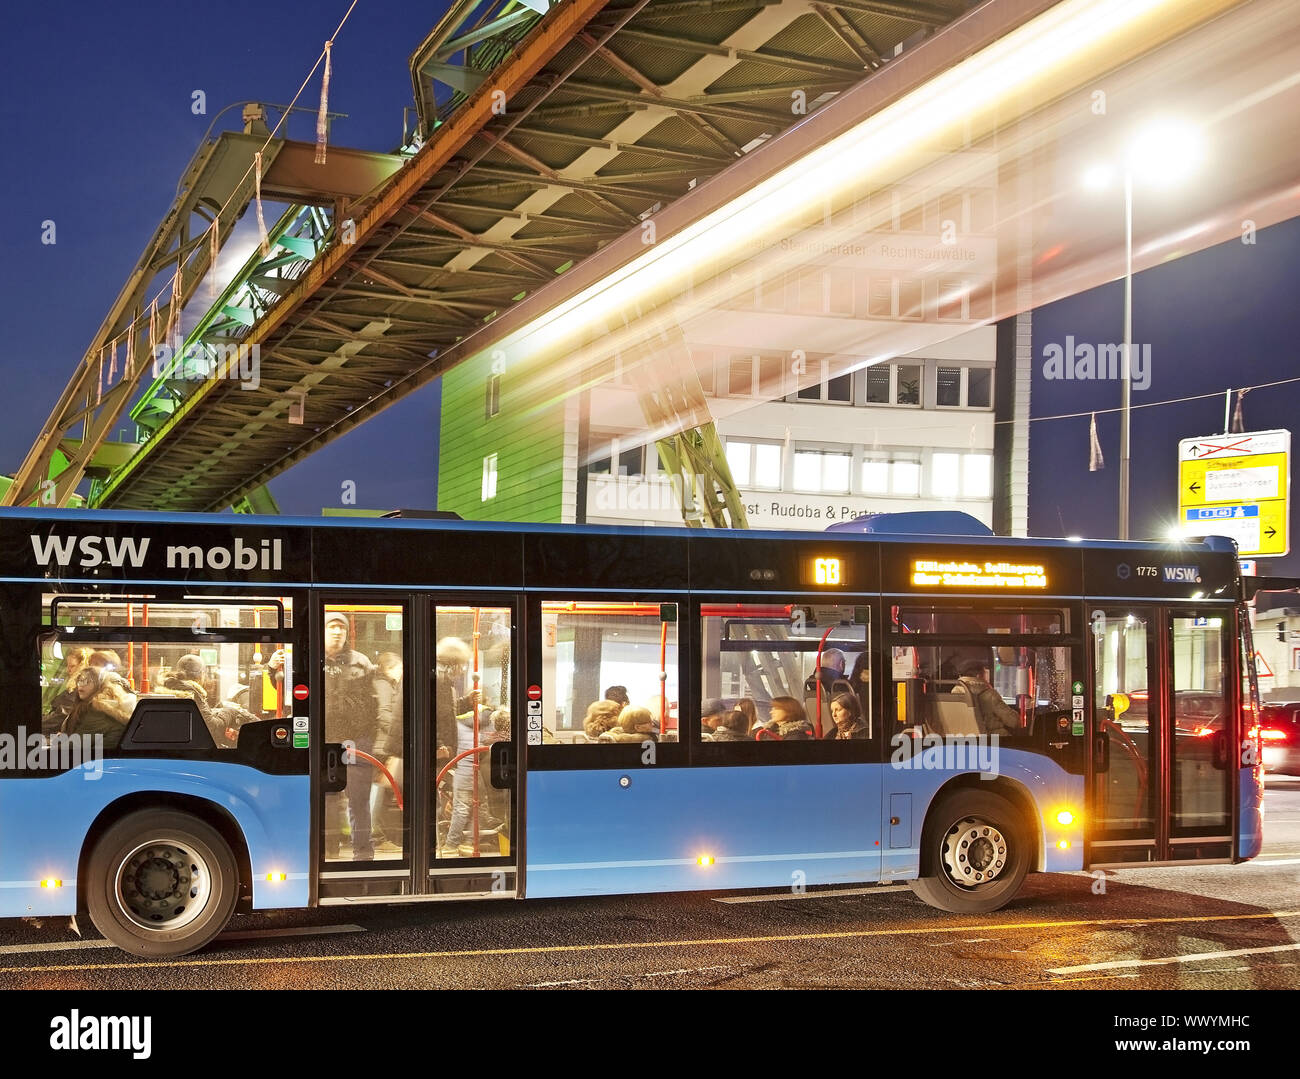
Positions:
{"x": 1120, "y": 703}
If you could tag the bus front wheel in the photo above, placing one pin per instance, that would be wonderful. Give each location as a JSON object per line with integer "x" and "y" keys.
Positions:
{"x": 162, "y": 883}
{"x": 974, "y": 853}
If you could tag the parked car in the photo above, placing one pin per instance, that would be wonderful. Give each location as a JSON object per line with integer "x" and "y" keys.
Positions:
{"x": 1279, "y": 736}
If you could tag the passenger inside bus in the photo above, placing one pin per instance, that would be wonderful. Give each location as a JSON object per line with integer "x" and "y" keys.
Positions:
{"x": 992, "y": 714}
{"x": 788, "y": 722}
{"x": 846, "y": 712}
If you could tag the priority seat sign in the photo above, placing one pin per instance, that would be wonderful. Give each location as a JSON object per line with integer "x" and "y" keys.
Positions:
{"x": 1239, "y": 486}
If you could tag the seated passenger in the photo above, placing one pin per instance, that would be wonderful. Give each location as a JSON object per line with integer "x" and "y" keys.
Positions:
{"x": 846, "y": 711}
{"x": 992, "y": 714}
{"x": 713, "y": 713}
{"x": 830, "y": 671}
{"x": 746, "y": 707}
{"x": 224, "y": 718}
{"x": 104, "y": 706}
{"x": 788, "y": 722}
{"x": 73, "y": 660}
{"x": 601, "y": 716}
{"x": 634, "y": 725}
{"x": 730, "y": 726}
{"x": 619, "y": 694}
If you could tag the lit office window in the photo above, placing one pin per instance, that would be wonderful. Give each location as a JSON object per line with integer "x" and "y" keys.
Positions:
{"x": 755, "y": 464}
{"x": 489, "y": 489}
{"x": 977, "y": 475}
{"x": 875, "y": 476}
{"x": 945, "y": 475}
{"x": 816, "y": 471}
{"x": 907, "y": 477}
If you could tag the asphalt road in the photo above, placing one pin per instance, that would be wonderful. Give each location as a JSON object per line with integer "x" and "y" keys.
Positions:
{"x": 1218, "y": 927}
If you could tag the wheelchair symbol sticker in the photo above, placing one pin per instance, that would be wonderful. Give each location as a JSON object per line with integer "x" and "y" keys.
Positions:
{"x": 534, "y": 723}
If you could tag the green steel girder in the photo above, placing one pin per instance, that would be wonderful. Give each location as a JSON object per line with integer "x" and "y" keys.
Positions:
{"x": 482, "y": 33}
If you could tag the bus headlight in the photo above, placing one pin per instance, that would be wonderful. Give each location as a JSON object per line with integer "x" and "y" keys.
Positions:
{"x": 1065, "y": 817}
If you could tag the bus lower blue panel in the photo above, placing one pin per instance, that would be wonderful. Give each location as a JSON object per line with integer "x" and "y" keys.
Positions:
{"x": 770, "y": 827}
{"x": 44, "y": 823}
{"x": 1251, "y": 826}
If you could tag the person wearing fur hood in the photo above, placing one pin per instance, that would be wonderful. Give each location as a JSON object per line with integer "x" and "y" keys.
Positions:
{"x": 104, "y": 705}
{"x": 602, "y": 716}
{"x": 634, "y": 725}
{"x": 224, "y": 718}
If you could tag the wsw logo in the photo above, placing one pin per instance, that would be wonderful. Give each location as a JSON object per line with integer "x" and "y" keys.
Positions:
{"x": 87, "y": 552}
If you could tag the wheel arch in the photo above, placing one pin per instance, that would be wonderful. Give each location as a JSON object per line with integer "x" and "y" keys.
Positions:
{"x": 201, "y": 808}
{"x": 1014, "y": 791}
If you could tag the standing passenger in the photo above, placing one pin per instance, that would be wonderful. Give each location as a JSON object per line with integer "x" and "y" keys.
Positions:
{"x": 351, "y": 714}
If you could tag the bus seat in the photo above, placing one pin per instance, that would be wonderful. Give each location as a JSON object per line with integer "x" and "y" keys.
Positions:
{"x": 954, "y": 714}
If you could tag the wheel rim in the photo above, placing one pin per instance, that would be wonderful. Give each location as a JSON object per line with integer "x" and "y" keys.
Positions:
{"x": 974, "y": 853}
{"x": 163, "y": 885}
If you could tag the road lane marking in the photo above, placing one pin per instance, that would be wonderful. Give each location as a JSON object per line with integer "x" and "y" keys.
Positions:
{"x": 778, "y": 897}
{"x": 646, "y": 945}
{"x": 1117, "y": 964}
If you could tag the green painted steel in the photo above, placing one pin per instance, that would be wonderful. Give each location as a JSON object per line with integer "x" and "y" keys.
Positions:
{"x": 258, "y": 500}
{"x": 529, "y": 444}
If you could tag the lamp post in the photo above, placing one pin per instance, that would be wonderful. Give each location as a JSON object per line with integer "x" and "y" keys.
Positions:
{"x": 1162, "y": 152}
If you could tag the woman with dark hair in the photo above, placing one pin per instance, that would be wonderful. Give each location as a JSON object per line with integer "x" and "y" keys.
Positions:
{"x": 746, "y": 707}
{"x": 788, "y": 722}
{"x": 104, "y": 706}
{"x": 846, "y": 711}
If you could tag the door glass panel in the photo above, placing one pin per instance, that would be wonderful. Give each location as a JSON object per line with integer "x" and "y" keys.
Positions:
{"x": 1200, "y": 781}
{"x": 363, "y": 709}
{"x": 1123, "y": 794}
{"x": 471, "y": 713}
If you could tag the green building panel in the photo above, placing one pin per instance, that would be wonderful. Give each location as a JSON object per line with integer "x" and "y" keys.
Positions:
{"x": 529, "y": 445}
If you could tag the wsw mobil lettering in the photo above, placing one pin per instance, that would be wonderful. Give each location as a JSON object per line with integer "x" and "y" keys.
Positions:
{"x": 90, "y": 551}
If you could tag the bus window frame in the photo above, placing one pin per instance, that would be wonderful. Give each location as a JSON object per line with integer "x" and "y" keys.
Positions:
{"x": 564, "y": 757}
{"x": 753, "y": 753}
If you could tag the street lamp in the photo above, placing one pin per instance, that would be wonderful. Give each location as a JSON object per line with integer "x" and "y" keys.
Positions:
{"x": 1161, "y": 153}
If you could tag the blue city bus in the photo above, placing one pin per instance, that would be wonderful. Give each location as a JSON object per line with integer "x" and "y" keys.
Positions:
{"x": 213, "y": 714}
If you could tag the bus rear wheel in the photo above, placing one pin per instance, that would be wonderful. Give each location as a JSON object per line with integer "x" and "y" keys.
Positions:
{"x": 974, "y": 853}
{"x": 162, "y": 883}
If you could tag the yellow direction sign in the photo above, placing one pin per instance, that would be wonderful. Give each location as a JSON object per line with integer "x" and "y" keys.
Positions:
{"x": 1237, "y": 485}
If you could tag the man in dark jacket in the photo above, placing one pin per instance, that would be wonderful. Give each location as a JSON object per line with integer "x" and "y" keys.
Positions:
{"x": 992, "y": 714}
{"x": 351, "y": 715}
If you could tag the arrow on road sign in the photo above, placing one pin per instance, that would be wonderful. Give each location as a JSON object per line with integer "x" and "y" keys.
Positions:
{"x": 1193, "y": 486}
{"x": 1270, "y": 531}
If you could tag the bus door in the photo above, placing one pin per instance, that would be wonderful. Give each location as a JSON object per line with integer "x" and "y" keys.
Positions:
{"x": 419, "y": 693}
{"x": 1164, "y": 721}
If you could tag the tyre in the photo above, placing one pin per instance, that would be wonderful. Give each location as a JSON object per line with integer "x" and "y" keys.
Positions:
{"x": 161, "y": 883}
{"x": 975, "y": 850}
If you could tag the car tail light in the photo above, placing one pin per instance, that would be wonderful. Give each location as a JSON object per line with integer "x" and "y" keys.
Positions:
{"x": 1273, "y": 735}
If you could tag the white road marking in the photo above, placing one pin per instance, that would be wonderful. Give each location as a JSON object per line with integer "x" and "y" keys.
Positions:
{"x": 1116, "y": 964}
{"x": 876, "y": 889}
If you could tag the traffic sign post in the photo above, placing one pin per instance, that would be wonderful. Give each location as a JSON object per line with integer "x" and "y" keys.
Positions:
{"x": 1238, "y": 486}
